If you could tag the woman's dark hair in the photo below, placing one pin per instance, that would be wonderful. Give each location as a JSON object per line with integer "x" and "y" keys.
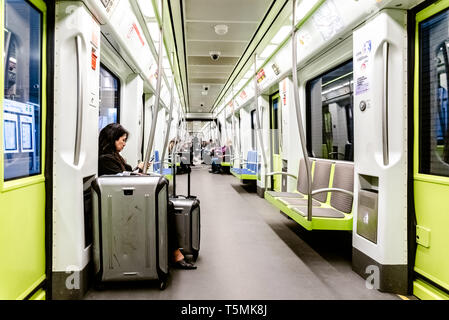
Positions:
{"x": 108, "y": 136}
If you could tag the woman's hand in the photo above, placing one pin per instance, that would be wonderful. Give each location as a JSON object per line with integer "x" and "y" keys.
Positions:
{"x": 140, "y": 165}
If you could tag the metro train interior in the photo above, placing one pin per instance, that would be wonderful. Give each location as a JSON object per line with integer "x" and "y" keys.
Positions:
{"x": 314, "y": 133}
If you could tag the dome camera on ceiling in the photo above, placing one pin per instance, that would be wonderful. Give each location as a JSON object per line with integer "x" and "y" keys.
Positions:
{"x": 214, "y": 55}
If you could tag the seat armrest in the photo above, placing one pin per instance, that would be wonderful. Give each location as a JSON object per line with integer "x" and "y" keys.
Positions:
{"x": 281, "y": 173}
{"x": 332, "y": 190}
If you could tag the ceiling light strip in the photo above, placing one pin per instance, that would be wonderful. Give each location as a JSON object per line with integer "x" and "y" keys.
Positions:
{"x": 158, "y": 18}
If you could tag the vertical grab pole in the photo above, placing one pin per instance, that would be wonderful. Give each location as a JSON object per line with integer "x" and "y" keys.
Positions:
{"x": 299, "y": 116}
{"x": 170, "y": 117}
{"x": 238, "y": 135}
{"x": 258, "y": 129}
{"x": 234, "y": 140}
{"x": 158, "y": 92}
{"x": 237, "y": 145}
{"x": 217, "y": 133}
{"x": 173, "y": 154}
{"x": 210, "y": 130}
{"x": 226, "y": 125}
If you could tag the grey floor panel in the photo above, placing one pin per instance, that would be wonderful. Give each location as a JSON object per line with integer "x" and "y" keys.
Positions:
{"x": 249, "y": 250}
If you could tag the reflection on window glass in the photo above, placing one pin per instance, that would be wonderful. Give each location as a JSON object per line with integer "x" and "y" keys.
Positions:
{"x": 109, "y": 98}
{"x": 330, "y": 121}
{"x": 276, "y": 125}
{"x": 253, "y": 130}
{"x": 22, "y": 90}
{"x": 434, "y": 76}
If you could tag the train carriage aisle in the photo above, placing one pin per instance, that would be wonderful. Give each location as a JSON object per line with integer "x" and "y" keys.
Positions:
{"x": 250, "y": 251}
{"x": 314, "y": 133}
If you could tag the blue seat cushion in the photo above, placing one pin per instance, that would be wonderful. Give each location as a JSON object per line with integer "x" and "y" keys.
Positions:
{"x": 243, "y": 171}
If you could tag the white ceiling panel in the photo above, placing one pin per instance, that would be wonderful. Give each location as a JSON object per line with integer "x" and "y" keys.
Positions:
{"x": 199, "y": 17}
{"x": 227, "y": 49}
{"x": 226, "y": 10}
{"x": 210, "y": 68}
{"x": 205, "y": 31}
{"x": 212, "y": 75}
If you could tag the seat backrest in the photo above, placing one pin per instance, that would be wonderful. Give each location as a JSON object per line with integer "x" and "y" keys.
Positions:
{"x": 254, "y": 164}
{"x": 156, "y": 163}
{"x": 227, "y": 155}
{"x": 343, "y": 179}
{"x": 249, "y": 158}
{"x": 301, "y": 185}
{"x": 321, "y": 177}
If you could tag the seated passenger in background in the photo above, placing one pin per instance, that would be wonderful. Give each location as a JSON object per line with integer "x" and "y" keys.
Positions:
{"x": 220, "y": 157}
{"x": 112, "y": 140}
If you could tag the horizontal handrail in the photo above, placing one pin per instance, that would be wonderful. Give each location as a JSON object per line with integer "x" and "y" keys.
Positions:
{"x": 281, "y": 173}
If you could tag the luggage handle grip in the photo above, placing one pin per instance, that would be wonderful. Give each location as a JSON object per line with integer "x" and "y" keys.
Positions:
{"x": 128, "y": 191}
{"x": 186, "y": 197}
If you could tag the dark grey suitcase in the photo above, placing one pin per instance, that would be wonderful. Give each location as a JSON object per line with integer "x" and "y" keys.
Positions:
{"x": 187, "y": 220}
{"x": 130, "y": 228}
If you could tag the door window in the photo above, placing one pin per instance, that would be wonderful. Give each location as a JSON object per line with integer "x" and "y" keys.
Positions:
{"x": 253, "y": 130}
{"x": 22, "y": 90}
{"x": 330, "y": 122}
{"x": 433, "y": 104}
{"x": 109, "y": 98}
{"x": 276, "y": 124}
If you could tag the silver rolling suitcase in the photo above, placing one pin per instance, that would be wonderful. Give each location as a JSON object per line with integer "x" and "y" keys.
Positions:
{"x": 130, "y": 228}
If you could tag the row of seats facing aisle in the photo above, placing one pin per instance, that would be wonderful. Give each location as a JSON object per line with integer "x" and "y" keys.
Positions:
{"x": 248, "y": 168}
{"x": 331, "y": 210}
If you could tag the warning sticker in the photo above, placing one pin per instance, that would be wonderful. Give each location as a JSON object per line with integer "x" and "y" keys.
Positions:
{"x": 362, "y": 85}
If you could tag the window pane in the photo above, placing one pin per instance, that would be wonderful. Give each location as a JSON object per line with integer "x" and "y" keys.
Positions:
{"x": 253, "y": 130}
{"x": 434, "y": 115}
{"x": 275, "y": 125}
{"x": 109, "y": 98}
{"x": 22, "y": 90}
{"x": 330, "y": 120}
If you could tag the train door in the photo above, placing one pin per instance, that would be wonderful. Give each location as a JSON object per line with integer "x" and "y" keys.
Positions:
{"x": 75, "y": 145}
{"x": 276, "y": 139}
{"x": 431, "y": 151}
{"x": 22, "y": 180}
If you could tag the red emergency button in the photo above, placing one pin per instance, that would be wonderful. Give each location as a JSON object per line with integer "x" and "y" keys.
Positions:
{"x": 94, "y": 60}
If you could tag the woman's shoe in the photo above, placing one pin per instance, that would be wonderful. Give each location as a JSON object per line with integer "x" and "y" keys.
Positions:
{"x": 182, "y": 264}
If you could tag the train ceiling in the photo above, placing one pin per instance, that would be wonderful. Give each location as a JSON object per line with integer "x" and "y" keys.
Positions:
{"x": 194, "y": 24}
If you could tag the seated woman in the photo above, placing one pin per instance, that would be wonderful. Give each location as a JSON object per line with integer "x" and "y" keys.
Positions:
{"x": 220, "y": 155}
{"x": 112, "y": 140}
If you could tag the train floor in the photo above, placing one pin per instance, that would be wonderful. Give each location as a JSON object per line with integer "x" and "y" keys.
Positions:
{"x": 249, "y": 250}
